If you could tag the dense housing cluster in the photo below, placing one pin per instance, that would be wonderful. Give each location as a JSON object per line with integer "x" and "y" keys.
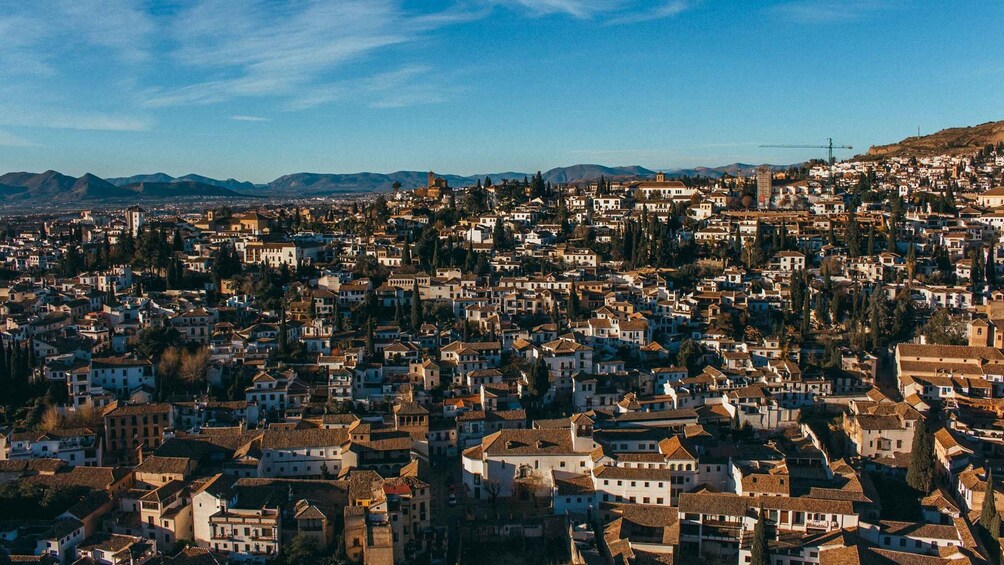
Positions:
{"x": 782, "y": 367}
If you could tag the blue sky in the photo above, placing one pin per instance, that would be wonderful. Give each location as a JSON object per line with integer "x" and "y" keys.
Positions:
{"x": 254, "y": 90}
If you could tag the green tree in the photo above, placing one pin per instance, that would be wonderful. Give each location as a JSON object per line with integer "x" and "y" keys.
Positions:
{"x": 879, "y": 313}
{"x": 416, "y": 307}
{"x": 406, "y": 254}
{"x": 301, "y": 549}
{"x": 73, "y": 262}
{"x": 853, "y": 236}
{"x": 500, "y": 238}
{"x": 989, "y": 510}
{"x": 902, "y": 318}
{"x": 944, "y": 329}
{"x": 920, "y": 474}
{"x": 540, "y": 379}
{"x": 994, "y": 544}
{"x": 688, "y": 354}
{"x": 574, "y": 308}
{"x": 283, "y": 334}
{"x": 977, "y": 274}
{"x": 991, "y": 268}
{"x": 369, "y": 336}
{"x": 125, "y": 248}
{"x": 759, "y": 550}
{"x": 152, "y": 341}
{"x": 537, "y": 187}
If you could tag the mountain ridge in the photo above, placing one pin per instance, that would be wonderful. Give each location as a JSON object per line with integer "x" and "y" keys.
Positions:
{"x": 59, "y": 188}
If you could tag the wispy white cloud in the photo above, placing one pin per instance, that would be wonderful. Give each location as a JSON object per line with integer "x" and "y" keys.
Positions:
{"x": 8, "y": 139}
{"x": 576, "y": 8}
{"x": 406, "y": 86}
{"x": 65, "y": 63}
{"x": 41, "y": 35}
{"x": 59, "y": 118}
{"x": 829, "y": 11}
{"x": 297, "y": 52}
{"x": 666, "y": 10}
{"x": 88, "y": 64}
{"x": 616, "y": 11}
{"x": 246, "y": 118}
{"x": 122, "y": 27}
{"x": 305, "y": 53}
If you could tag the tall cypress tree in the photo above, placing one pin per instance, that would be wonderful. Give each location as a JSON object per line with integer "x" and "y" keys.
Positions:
{"x": 994, "y": 545}
{"x": 989, "y": 503}
{"x": 853, "y": 237}
{"x": 5, "y": 380}
{"x": 976, "y": 274}
{"x": 369, "y": 336}
{"x": 991, "y": 268}
{"x": 573, "y": 304}
{"x": 416, "y": 307}
{"x": 878, "y": 318}
{"x": 920, "y": 474}
{"x": 283, "y": 345}
{"x": 406, "y": 254}
{"x": 806, "y": 325}
{"x": 540, "y": 380}
{"x": 760, "y": 553}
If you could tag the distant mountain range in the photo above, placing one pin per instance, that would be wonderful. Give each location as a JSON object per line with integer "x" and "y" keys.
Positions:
{"x": 334, "y": 183}
{"x": 57, "y": 188}
{"x": 231, "y": 184}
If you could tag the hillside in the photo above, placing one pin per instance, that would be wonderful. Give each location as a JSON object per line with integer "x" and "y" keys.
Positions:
{"x": 47, "y": 184}
{"x": 232, "y": 184}
{"x": 952, "y": 141}
{"x": 577, "y": 173}
{"x": 90, "y": 187}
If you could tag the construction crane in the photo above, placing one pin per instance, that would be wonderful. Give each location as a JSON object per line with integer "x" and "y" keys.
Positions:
{"x": 829, "y": 152}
